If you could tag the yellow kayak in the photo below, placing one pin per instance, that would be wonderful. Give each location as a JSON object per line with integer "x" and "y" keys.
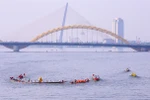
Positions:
{"x": 133, "y": 74}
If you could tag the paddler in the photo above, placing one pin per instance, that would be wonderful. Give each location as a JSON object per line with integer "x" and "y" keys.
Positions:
{"x": 21, "y": 76}
{"x": 40, "y": 79}
{"x": 95, "y": 77}
{"x": 133, "y": 74}
{"x": 127, "y": 70}
{"x": 12, "y": 78}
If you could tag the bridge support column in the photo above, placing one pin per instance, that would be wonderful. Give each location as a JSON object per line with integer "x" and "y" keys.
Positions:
{"x": 16, "y": 48}
{"x": 142, "y": 49}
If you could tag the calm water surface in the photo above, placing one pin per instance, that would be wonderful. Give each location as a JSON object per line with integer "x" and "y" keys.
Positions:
{"x": 115, "y": 83}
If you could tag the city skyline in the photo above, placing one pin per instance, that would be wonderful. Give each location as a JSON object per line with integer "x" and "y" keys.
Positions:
{"x": 99, "y": 13}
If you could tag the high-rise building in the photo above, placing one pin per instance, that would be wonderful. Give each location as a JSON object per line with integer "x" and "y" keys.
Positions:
{"x": 118, "y": 28}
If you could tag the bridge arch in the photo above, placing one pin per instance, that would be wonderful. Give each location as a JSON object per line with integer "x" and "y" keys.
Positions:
{"x": 79, "y": 27}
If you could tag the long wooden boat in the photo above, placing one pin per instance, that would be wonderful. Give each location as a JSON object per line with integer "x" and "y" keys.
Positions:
{"x": 36, "y": 82}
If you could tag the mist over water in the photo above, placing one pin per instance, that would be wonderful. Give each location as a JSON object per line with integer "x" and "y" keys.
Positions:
{"x": 115, "y": 84}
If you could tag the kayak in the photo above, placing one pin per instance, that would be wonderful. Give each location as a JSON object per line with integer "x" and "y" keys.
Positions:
{"x": 133, "y": 75}
{"x": 96, "y": 79}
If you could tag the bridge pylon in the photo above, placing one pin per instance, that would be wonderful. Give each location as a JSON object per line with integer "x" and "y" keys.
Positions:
{"x": 63, "y": 22}
{"x": 16, "y": 48}
{"x": 141, "y": 49}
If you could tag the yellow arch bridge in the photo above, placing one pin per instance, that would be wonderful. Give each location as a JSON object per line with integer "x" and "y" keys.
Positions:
{"x": 79, "y": 27}
{"x": 16, "y": 46}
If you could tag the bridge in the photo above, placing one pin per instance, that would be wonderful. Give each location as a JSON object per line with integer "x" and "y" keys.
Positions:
{"x": 140, "y": 47}
{"x": 82, "y": 35}
{"x": 16, "y": 46}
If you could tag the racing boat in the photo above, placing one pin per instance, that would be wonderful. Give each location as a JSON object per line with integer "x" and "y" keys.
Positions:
{"x": 30, "y": 81}
{"x": 80, "y": 81}
{"x": 48, "y": 82}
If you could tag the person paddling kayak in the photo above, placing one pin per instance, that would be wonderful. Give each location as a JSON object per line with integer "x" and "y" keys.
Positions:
{"x": 95, "y": 77}
{"x": 127, "y": 70}
{"x": 133, "y": 74}
{"x": 21, "y": 76}
{"x": 12, "y": 78}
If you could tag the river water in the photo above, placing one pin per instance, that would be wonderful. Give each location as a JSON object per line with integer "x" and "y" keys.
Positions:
{"x": 115, "y": 84}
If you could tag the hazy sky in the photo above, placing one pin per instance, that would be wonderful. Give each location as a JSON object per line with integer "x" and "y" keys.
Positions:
{"x": 135, "y": 13}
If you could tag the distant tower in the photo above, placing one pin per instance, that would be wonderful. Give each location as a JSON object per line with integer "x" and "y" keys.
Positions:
{"x": 118, "y": 28}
